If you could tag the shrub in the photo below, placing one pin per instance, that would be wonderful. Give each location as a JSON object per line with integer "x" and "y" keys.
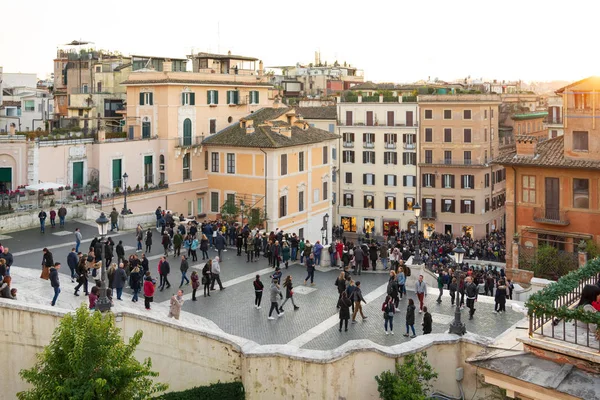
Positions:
{"x": 411, "y": 381}
{"x": 216, "y": 391}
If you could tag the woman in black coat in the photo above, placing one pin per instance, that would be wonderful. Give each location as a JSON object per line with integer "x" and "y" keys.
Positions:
{"x": 340, "y": 282}
{"x": 500, "y": 297}
{"x": 344, "y": 304}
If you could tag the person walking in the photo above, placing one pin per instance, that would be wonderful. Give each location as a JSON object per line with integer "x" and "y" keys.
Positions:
{"x": 148, "y": 241}
{"x": 340, "y": 282}
{"x": 359, "y": 256}
{"x": 219, "y": 243}
{"x": 55, "y": 282}
{"x": 257, "y": 242}
{"x": 275, "y": 293}
{"x": 344, "y": 304}
{"x": 114, "y": 220}
{"x": 62, "y": 213}
{"x": 118, "y": 280}
{"x": 177, "y": 242}
{"x": 308, "y": 249}
{"x": 135, "y": 282}
{"x": 461, "y": 291}
{"x": 195, "y": 284}
{"x": 373, "y": 256}
{"x": 203, "y": 247}
{"x": 401, "y": 278}
{"x": 310, "y": 269}
{"x": 176, "y": 304}
{"x": 317, "y": 251}
{"x": 52, "y": 218}
{"x": 93, "y": 297}
{"x": 165, "y": 269}
{"x": 427, "y": 321}
{"x": 410, "y": 318}
{"x": 500, "y": 297}
{"x": 289, "y": 293}
{"x": 471, "y": 292}
{"x": 120, "y": 252}
{"x": 421, "y": 290}
{"x": 285, "y": 254}
{"x": 166, "y": 242}
{"x": 82, "y": 276}
{"x": 389, "y": 309}
{"x": 207, "y": 277}
{"x": 149, "y": 288}
{"x": 440, "y": 281}
{"x": 42, "y": 216}
{"x": 392, "y": 289}
{"x": 78, "y": 239}
{"x": 47, "y": 263}
{"x": 72, "y": 261}
{"x": 258, "y": 291}
{"x": 453, "y": 287}
{"x": 357, "y": 297}
{"x": 184, "y": 269}
{"x": 216, "y": 273}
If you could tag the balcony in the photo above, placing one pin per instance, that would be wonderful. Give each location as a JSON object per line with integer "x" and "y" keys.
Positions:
{"x": 550, "y": 216}
{"x": 191, "y": 141}
{"x": 368, "y": 145}
{"x": 451, "y": 162}
{"x": 428, "y": 214}
{"x": 409, "y": 146}
{"x": 391, "y": 145}
{"x": 349, "y": 145}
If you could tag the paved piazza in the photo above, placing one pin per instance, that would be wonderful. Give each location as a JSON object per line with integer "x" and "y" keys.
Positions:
{"x": 313, "y": 326}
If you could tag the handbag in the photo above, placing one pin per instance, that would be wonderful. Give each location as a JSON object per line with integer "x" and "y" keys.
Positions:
{"x": 204, "y": 280}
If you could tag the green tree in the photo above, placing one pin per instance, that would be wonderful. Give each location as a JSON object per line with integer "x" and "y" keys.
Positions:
{"x": 411, "y": 381}
{"x": 88, "y": 359}
{"x": 230, "y": 211}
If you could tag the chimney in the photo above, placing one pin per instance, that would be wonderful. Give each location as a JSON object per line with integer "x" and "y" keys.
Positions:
{"x": 526, "y": 145}
{"x": 12, "y": 129}
{"x": 167, "y": 65}
{"x": 261, "y": 68}
{"x": 285, "y": 131}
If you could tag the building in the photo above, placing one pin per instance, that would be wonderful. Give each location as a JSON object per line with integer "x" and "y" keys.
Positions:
{"x": 459, "y": 191}
{"x": 321, "y": 117}
{"x": 552, "y": 191}
{"x": 377, "y": 168}
{"x": 554, "y": 121}
{"x": 273, "y": 163}
{"x": 531, "y": 123}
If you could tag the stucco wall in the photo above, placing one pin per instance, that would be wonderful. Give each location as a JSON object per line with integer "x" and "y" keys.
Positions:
{"x": 187, "y": 357}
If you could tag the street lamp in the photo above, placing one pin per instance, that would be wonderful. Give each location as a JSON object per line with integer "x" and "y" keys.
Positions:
{"x": 103, "y": 303}
{"x": 417, "y": 210}
{"x": 125, "y": 176}
{"x": 323, "y": 230}
{"x": 457, "y": 327}
{"x": 326, "y": 227}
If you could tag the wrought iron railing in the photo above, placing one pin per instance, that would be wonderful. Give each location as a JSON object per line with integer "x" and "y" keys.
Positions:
{"x": 550, "y": 216}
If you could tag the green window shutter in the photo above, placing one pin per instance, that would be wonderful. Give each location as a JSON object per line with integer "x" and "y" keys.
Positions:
{"x": 229, "y": 97}
{"x": 141, "y": 98}
{"x": 183, "y": 99}
{"x": 192, "y": 99}
{"x": 151, "y": 99}
{"x": 5, "y": 174}
{"x": 147, "y": 160}
{"x": 216, "y": 96}
{"x": 208, "y": 97}
{"x": 236, "y": 97}
{"x": 116, "y": 173}
{"x": 256, "y": 97}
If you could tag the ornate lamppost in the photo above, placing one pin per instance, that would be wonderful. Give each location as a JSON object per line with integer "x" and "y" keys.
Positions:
{"x": 103, "y": 303}
{"x": 124, "y": 211}
{"x": 456, "y": 326}
{"x": 417, "y": 210}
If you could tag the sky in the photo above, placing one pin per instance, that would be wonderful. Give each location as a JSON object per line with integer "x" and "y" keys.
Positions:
{"x": 391, "y": 41}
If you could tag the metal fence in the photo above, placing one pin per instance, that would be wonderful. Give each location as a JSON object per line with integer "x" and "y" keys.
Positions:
{"x": 547, "y": 261}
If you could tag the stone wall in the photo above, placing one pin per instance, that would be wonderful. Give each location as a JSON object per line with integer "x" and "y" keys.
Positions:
{"x": 29, "y": 219}
{"x": 187, "y": 357}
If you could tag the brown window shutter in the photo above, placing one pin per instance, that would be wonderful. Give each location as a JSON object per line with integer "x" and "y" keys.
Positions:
{"x": 472, "y": 206}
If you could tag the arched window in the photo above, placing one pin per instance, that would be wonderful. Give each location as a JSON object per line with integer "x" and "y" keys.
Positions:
{"x": 162, "y": 159}
{"x": 146, "y": 130}
{"x": 187, "y": 132}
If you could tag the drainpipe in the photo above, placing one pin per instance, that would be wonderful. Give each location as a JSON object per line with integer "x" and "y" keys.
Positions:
{"x": 266, "y": 215}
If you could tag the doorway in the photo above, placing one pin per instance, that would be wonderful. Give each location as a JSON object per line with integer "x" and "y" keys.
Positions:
{"x": 448, "y": 229}
{"x": 369, "y": 225}
{"x": 390, "y": 227}
{"x": 5, "y": 179}
{"x": 78, "y": 174}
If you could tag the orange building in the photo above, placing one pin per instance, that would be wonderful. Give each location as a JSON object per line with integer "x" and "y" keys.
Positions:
{"x": 552, "y": 186}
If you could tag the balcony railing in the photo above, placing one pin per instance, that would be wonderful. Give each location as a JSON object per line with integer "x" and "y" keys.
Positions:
{"x": 550, "y": 216}
{"x": 368, "y": 145}
{"x": 428, "y": 214}
{"x": 391, "y": 145}
{"x": 409, "y": 146}
{"x": 349, "y": 145}
{"x": 190, "y": 141}
{"x": 448, "y": 161}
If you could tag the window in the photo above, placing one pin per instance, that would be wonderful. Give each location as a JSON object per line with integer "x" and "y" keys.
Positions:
{"x": 300, "y": 201}
{"x": 466, "y": 114}
{"x": 348, "y": 156}
{"x": 348, "y": 177}
{"x": 467, "y": 135}
{"x": 316, "y": 196}
{"x": 447, "y": 205}
{"x": 186, "y": 167}
{"x": 187, "y": 132}
{"x": 429, "y": 180}
{"x": 146, "y": 99}
{"x": 580, "y": 141}
{"x": 254, "y": 97}
{"x": 369, "y": 201}
{"x": 391, "y": 157}
{"x": 448, "y": 157}
{"x": 390, "y": 140}
{"x": 325, "y": 192}
{"x": 390, "y": 203}
{"x": 146, "y": 129}
{"x": 428, "y": 134}
{"x": 486, "y": 205}
{"x": 409, "y": 181}
{"x": 484, "y": 114}
{"x": 368, "y": 157}
{"x": 148, "y": 169}
{"x": 408, "y": 203}
{"x": 233, "y": 97}
{"x": 390, "y": 118}
{"x": 301, "y": 161}
{"x": 369, "y": 140}
{"x": 485, "y": 134}
{"x": 428, "y": 156}
{"x": 581, "y": 193}
{"x": 485, "y": 157}
{"x": 348, "y": 139}
{"x": 29, "y": 105}
{"x": 349, "y": 118}
{"x": 188, "y": 99}
{"x": 409, "y": 159}
{"x": 487, "y": 180}
{"x": 467, "y": 181}
{"x": 212, "y": 97}
{"x": 428, "y": 114}
{"x": 214, "y": 202}
{"x": 448, "y": 135}
{"x": 348, "y": 200}
{"x": 206, "y": 160}
{"x": 212, "y": 126}
{"x": 283, "y": 165}
{"x": 230, "y": 163}
{"x": 214, "y": 157}
{"x": 282, "y": 206}
{"x": 467, "y": 155}
{"x": 369, "y": 179}
{"x": 84, "y": 89}
{"x": 331, "y": 128}
{"x": 390, "y": 180}
{"x": 448, "y": 181}
{"x": 467, "y": 207}
{"x": 447, "y": 114}
{"x": 325, "y": 154}
{"x": 116, "y": 173}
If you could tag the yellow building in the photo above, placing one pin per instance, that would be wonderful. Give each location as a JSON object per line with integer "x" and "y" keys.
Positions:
{"x": 273, "y": 161}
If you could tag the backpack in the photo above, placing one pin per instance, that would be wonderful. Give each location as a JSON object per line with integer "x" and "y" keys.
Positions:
{"x": 330, "y": 249}
{"x": 407, "y": 271}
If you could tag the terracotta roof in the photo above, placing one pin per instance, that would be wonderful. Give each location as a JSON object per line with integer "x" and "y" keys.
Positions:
{"x": 325, "y": 112}
{"x": 264, "y": 136}
{"x": 549, "y": 153}
{"x": 11, "y": 103}
{"x": 191, "y": 81}
{"x": 596, "y": 78}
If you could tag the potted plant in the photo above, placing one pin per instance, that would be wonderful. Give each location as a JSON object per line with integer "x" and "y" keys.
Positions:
{"x": 32, "y": 192}
{"x": 60, "y": 189}
{"x": 67, "y": 187}
{"x": 146, "y": 186}
{"x": 137, "y": 187}
{"x": 117, "y": 190}
{"x": 516, "y": 237}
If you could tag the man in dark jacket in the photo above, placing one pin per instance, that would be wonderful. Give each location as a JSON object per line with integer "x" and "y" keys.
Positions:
{"x": 72, "y": 261}
{"x": 165, "y": 269}
{"x": 55, "y": 282}
{"x": 357, "y": 298}
{"x": 119, "y": 279}
{"x": 220, "y": 243}
{"x": 145, "y": 264}
{"x": 114, "y": 220}
{"x": 42, "y": 216}
{"x": 358, "y": 260}
{"x": 8, "y": 257}
{"x": 158, "y": 214}
{"x": 427, "y": 322}
{"x": 120, "y": 252}
{"x": 471, "y": 293}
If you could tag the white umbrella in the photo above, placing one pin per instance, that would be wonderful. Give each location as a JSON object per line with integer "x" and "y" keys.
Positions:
{"x": 44, "y": 186}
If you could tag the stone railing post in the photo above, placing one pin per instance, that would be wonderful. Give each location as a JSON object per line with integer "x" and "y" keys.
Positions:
{"x": 515, "y": 255}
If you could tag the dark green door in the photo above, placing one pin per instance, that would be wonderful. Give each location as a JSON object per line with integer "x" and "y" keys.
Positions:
{"x": 5, "y": 178}
{"x": 116, "y": 173}
{"x": 187, "y": 132}
{"x": 78, "y": 174}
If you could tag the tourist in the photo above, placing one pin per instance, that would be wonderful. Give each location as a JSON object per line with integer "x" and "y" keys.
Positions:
{"x": 195, "y": 284}
{"x": 184, "y": 269}
{"x": 82, "y": 275}
{"x": 166, "y": 242}
{"x": 393, "y": 288}
{"x": 471, "y": 293}
{"x": 453, "y": 288}
{"x": 340, "y": 282}
{"x": 177, "y": 242}
{"x": 258, "y": 291}
{"x": 5, "y": 289}
{"x": 145, "y": 264}
{"x": 158, "y": 214}
{"x": 318, "y": 251}
{"x": 207, "y": 277}
{"x": 110, "y": 273}
{"x": 93, "y": 297}
{"x": 427, "y": 321}
{"x": 119, "y": 278}
{"x": 3, "y": 269}
{"x": 277, "y": 275}
{"x": 148, "y": 241}
{"x": 421, "y": 290}
{"x": 511, "y": 287}
{"x": 383, "y": 256}
{"x": 135, "y": 281}
{"x": 350, "y": 291}
{"x": 62, "y": 213}
{"x": 257, "y": 242}
{"x": 461, "y": 291}
{"x": 165, "y": 270}
{"x": 203, "y": 247}
{"x": 308, "y": 249}
{"x": 389, "y": 310}
{"x": 500, "y": 297}
{"x": 373, "y": 252}
{"x": 72, "y": 261}
{"x": 310, "y": 269}
{"x": 42, "y": 216}
{"x": 55, "y": 281}
{"x": 216, "y": 272}
{"x": 357, "y": 298}
{"x": 47, "y": 263}
{"x": 359, "y": 256}
{"x": 285, "y": 254}
{"x": 344, "y": 304}
{"x": 289, "y": 293}
{"x": 52, "y": 218}
{"x": 7, "y": 256}
{"x": 219, "y": 243}
{"x": 176, "y": 303}
{"x": 440, "y": 282}
{"x": 120, "y": 249}
{"x": 401, "y": 278}
{"x": 78, "y": 239}
{"x": 114, "y": 220}
{"x": 149, "y": 288}
{"x": 301, "y": 248}
{"x": 275, "y": 293}
{"x": 410, "y": 318}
